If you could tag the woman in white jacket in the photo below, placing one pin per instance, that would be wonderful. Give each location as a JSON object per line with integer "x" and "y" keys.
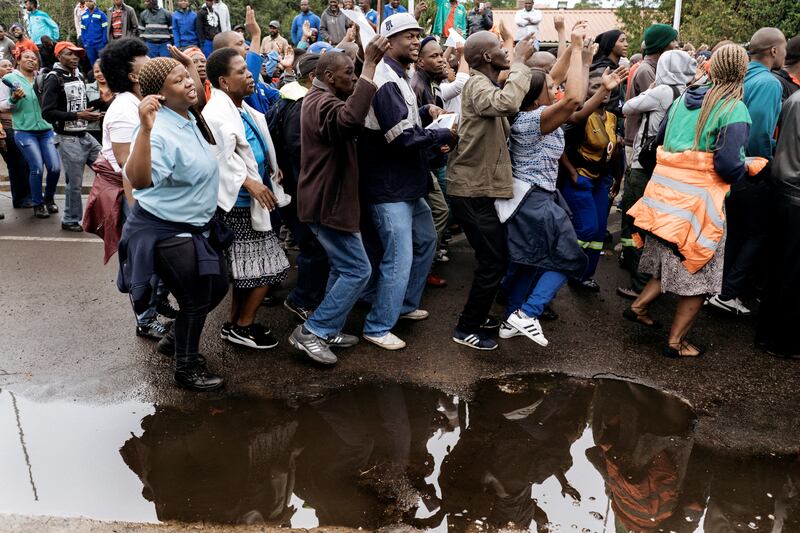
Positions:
{"x": 249, "y": 189}
{"x": 675, "y": 70}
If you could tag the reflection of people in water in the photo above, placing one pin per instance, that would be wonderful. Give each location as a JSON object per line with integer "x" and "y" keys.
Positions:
{"x": 745, "y": 487}
{"x": 230, "y": 461}
{"x": 643, "y": 445}
{"x": 519, "y": 435}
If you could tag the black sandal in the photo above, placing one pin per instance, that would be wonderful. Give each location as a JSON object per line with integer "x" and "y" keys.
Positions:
{"x": 675, "y": 353}
{"x": 633, "y": 316}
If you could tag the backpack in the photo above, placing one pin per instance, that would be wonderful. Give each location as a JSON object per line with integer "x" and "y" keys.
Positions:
{"x": 38, "y": 83}
{"x": 647, "y": 153}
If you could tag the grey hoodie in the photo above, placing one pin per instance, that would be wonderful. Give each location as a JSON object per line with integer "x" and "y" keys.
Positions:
{"x": 676, "y": 69}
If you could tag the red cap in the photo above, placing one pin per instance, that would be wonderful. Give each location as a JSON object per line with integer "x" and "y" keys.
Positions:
{"x": 66, "y": 45}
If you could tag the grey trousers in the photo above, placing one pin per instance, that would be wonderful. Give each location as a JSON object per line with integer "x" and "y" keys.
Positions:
{"x": 76, "y": 151}
{"x": 439, "y": 210}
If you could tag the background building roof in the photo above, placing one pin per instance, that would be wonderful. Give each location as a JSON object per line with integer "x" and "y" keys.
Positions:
{"x": 599, "y": 20}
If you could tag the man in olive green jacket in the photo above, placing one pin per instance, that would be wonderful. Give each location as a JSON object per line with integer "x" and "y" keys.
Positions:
{"x": 479, "y": 171}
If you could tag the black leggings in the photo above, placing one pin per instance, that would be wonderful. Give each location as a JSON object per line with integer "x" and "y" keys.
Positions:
{"x": 176, "y": 265}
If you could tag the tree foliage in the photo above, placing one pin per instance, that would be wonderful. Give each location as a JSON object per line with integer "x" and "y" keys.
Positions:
{"x": 710, "y": 21}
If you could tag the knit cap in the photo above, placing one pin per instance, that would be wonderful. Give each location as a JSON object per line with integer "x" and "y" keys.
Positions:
{"x": 154, "y": 73}
{"x": 657, "y": 37}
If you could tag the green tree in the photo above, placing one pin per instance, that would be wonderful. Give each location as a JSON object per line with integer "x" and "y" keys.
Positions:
{"x": 636, "y": 16}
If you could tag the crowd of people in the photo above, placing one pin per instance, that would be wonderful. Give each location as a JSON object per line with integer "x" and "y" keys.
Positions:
{"x": 206, "y": 140}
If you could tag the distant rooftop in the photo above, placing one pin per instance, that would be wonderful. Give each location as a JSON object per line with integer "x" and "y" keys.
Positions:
{"x": 600, "y": 20}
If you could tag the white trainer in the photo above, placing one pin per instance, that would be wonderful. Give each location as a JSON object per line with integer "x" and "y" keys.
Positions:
{"x": 507, "y": 331}
{"x": 388, "y": 342}
{"x": 528, "y": 326}
{"x": 416, "y": 314}
{"x": 734, "y": 306}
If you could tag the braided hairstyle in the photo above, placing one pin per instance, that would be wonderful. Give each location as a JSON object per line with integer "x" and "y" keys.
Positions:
{"x": 728, "y": 67}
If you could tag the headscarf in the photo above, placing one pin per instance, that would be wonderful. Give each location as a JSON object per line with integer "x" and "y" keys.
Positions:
{"x": 152, "y": 77}
{"x": 154, "y": 73}
{"x": 675, "y": 68}
{"x": 193, "y": 50}
{"x": 657, "y": 37}
{"x": 606, "y": 42}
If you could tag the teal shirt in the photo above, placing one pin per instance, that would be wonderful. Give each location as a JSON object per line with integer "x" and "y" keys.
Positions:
{"x": 26, "y": 113}
{"x": 185, "y": 173}
{"x": 259, "y": 147}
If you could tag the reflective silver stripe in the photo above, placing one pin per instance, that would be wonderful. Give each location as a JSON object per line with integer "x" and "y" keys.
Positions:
{"x": 711, "y": 209}
{"x": 398, "y": 128}
{"x": 703, "y": 241}
{"x": 157, "y": 26}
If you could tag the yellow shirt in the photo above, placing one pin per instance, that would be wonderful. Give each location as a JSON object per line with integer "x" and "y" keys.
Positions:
{"x": 600, "y": 139}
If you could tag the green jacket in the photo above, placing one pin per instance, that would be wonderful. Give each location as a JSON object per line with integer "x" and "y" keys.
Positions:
{"x": 459, "y": 18}
{"x": 26, "y": 114}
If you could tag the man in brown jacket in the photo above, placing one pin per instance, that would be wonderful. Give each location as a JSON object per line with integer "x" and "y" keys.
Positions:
{"x": 332, "y": 115}
{"x": 479, "y": 171}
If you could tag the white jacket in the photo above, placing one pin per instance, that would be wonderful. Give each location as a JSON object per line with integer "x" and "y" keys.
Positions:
{"x": 527, "y": 22}
{"x": 236, "y": 159}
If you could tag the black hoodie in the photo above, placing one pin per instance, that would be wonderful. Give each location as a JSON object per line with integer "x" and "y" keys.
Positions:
{"x": 63, "y": 96}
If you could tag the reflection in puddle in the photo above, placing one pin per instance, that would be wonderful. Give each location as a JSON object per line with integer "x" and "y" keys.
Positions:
{"x": 542, "y": 453}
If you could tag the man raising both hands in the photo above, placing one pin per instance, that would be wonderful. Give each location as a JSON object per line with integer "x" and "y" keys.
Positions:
{"x": 479, "y": 171}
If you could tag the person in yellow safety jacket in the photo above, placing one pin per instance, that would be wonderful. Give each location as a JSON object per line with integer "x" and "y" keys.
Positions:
{"x": 702, "y": 143}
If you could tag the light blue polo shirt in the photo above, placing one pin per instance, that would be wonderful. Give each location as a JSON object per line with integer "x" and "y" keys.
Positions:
{"x": 185, "y": 172}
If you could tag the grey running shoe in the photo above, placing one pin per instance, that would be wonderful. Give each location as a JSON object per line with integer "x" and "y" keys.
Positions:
{"x": 314, "y": 347}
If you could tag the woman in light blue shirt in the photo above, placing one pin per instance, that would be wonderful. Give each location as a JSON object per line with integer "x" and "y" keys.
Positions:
{"x": 170, "y": 232}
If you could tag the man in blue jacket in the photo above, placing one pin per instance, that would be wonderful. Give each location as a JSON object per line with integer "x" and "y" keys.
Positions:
{"x": 184, "y": 26}
{"x": 746, "y": 207}
{"x": 393, "y": 150}
{"x": 94, "y": 31}
{"x": 305, "y": 15}
{"x": 39, "y": 23}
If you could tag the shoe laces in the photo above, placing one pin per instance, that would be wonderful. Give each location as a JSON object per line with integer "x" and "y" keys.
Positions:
{"x": 157, "y": 326}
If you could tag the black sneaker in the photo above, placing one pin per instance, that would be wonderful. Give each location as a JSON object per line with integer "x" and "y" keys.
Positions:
{"x": 199, "y": 379}
{"x": 300, "y": 312}
{"x": 152, "y": 330}
{"x": 478, "y": 341}
{"x": 491, "y": 323}
{"x": 40, "y": 211}
{"x": 51, "y": 206}
{"x": 342, "y": 340}
{"x": 166, "y": 310}
{"x": 253, "y": 336}
{"x": 225, "y": 332}
{"x": 588, "y": 285}
{"x": 71, "y": 226}
{"x": 312, "y": 346}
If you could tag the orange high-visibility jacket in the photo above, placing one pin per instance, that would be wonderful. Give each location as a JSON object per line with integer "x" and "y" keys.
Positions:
{"x": 683, "y": 204}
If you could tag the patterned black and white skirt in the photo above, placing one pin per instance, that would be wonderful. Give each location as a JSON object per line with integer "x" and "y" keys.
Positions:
{"x": 255, "y": 258}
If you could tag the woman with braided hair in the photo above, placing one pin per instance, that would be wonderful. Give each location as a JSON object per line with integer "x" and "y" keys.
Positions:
{"x": 171, "y": 231}
{"x": 701, "y": 154}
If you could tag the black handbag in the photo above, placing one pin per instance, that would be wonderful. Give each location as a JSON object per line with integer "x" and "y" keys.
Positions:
{"x": 647, "y": 153}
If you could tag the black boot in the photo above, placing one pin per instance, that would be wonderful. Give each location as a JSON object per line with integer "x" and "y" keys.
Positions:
{"x": 198, "y": 378}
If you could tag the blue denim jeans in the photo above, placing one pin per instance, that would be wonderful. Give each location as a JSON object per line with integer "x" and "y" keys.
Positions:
{"x": 408, "y": 237}
{"x": 349, "y": 273}
{"x": 76, "y": 152}
{"x": 157, "y": 49}
{"x": 588, "y": 201}
{"x": 39, "y": 150}
{"x": 531, "y": 288}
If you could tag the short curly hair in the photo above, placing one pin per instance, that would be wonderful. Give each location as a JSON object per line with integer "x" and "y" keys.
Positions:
{"x": 116, "y": 62}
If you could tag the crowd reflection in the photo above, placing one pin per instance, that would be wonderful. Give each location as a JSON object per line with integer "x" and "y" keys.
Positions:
{"x": 379, "y": 455}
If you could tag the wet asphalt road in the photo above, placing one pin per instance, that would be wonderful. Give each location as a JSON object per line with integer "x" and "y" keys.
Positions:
{"x": 66, "y": 333}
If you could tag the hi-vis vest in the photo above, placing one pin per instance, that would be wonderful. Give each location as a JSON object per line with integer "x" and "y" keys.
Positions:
{"x": 683, "y": 204}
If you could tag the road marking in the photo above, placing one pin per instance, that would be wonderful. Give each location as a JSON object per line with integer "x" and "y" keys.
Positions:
{"x": 46, "y": 239}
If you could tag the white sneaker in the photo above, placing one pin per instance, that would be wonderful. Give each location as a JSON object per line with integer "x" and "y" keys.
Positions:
{"x": 441, "y": 256}
{"x": 734, "y": 305}
{"x": 416, "y": 314}
{"x": 528, "y": 326}
{"x": 388, "y": 342}
{"x": 507, "y": 331}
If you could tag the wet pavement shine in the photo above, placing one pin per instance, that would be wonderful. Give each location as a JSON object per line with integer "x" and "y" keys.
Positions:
{"x": 536, "y": 452}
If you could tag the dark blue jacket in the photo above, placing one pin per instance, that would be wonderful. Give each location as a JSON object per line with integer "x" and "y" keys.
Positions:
{"x": 94, "y": 28}
{"x": 396, "y": 170}
{"x": 265, "y": 95}
{"x": 140, "y": 234}
{"x": 184, "y": 28}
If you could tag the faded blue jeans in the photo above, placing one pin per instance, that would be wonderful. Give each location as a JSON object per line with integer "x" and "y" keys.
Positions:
{"x": 349, "y": 273}
{"x": 531, "y": 289}
{"x": 76, "y": 152}
{"x": 408, "y": 237}
{"x": 39, "y": 150}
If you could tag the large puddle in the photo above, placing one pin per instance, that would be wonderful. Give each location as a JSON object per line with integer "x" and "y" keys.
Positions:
{"x": 540, "y": 453}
